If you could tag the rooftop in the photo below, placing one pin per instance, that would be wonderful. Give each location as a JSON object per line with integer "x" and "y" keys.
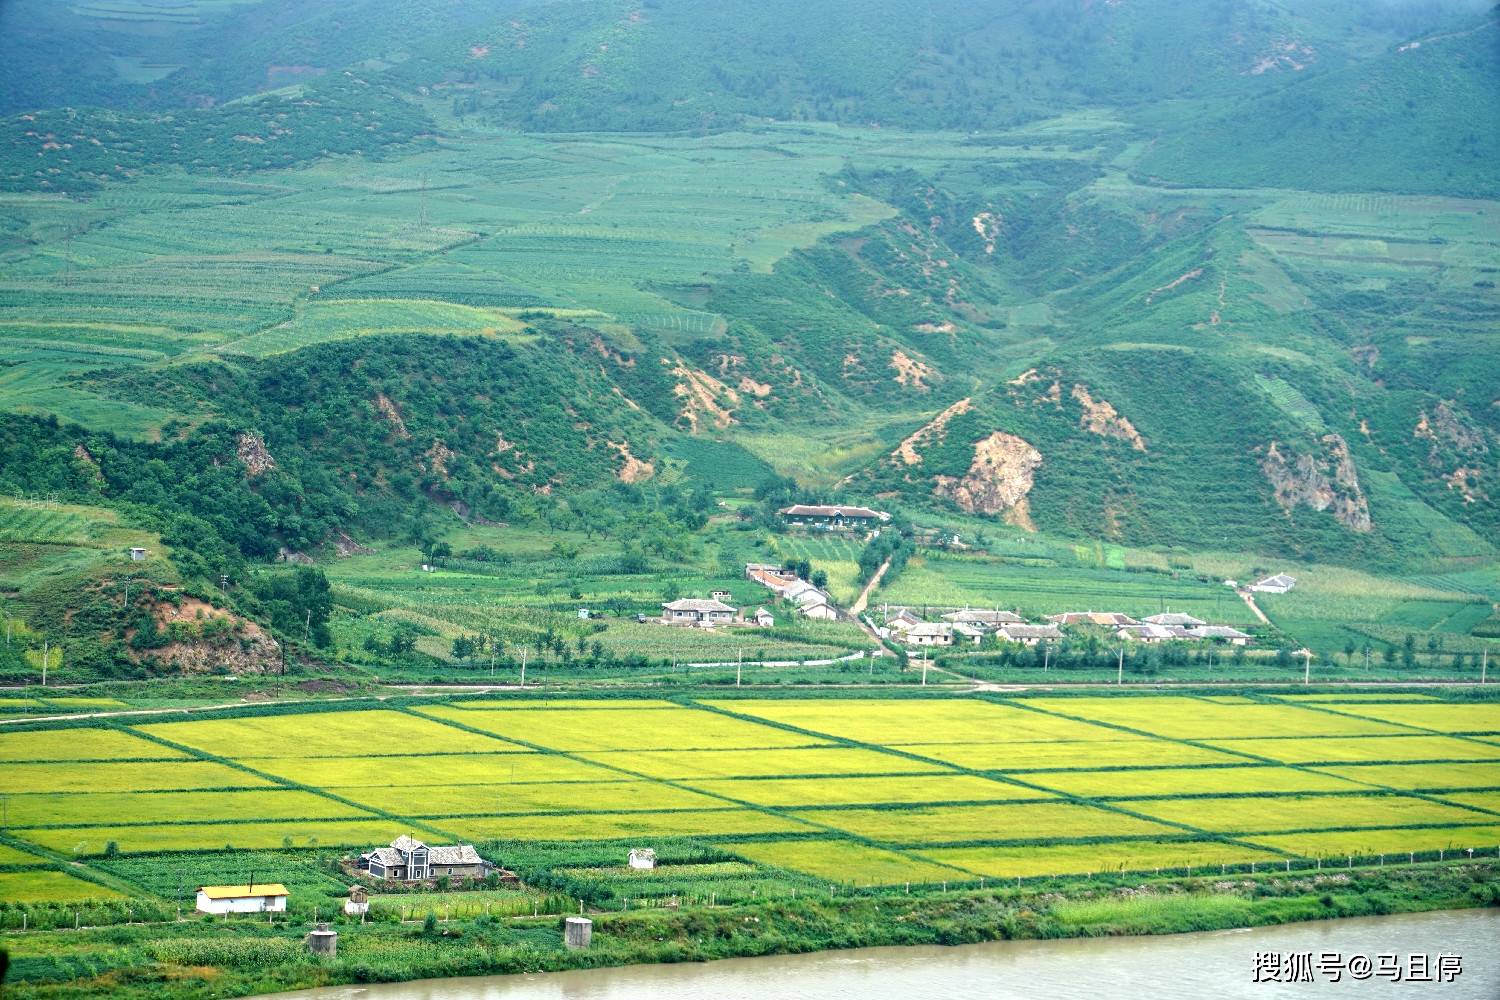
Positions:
{"x": 994, "y": 617}
{"x": 240, "y": 891}
{"x": 823, "y": 510}
{"x": 1172, "y": 618}
{"x": 699, "y": 604}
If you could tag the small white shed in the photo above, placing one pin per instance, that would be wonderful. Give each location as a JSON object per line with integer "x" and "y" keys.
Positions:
{"x": 358, "y": 902}
{"x": 256, "y": 898}
{"x": 643, "y": 858}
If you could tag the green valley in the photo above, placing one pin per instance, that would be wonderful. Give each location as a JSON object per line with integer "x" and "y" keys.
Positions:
{"x": 850, "y": 448}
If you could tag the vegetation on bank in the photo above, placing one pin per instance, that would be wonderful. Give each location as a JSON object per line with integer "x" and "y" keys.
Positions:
{"x": 243, "y": 957}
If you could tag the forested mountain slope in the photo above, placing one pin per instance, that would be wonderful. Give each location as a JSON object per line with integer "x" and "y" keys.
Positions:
{"x": 1193, "y": 274}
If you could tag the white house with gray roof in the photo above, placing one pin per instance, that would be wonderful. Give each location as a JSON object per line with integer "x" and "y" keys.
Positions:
{"x": 706, "y": 612}
{"x": 410, "y": 860}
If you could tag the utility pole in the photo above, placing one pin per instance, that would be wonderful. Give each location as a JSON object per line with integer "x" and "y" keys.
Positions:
{"x": 1046, "y": 655}
{"x": 306, "y": 628}
{"x": 924, "y": 668}
{"x": 523, "y": 668}
{"x": 45, "y": 653}
{"x": 1120, "y": 669}
{"x": 1484, "y": 665}
{"x": 739, "y": 668}
{"x": 1306, "y": 665}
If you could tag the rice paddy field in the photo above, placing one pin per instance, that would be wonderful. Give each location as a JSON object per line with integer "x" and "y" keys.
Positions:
{"x": 859, "y": 791}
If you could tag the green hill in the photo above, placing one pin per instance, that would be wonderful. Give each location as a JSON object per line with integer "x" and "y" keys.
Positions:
{"x": 1214, "y": 276}
{"x": 1419, "y": 118}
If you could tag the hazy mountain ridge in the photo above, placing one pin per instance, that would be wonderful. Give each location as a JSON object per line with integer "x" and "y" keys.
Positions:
{"x": 1117, "y": 354}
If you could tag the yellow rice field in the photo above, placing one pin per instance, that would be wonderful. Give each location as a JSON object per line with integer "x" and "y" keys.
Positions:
{"x": 858, "y": 790}
{"x": 1080, "y": 859}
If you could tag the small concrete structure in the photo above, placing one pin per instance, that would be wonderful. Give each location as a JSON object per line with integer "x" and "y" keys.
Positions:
{"x": 358, "y": 903}
{"x": 323, "y": 941}
{"x": 578, "y": 932}
{"x": 259, "y": 897}
{"x": 137, "y": 555}
{"x": 642, "y": 858}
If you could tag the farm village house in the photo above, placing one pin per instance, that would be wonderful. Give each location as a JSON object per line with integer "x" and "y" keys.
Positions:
{"x": 267, "y": 897}
{"x": 806, "y": 600}
{"x": 826, "y": 517}
{"x": 410, "y": 860}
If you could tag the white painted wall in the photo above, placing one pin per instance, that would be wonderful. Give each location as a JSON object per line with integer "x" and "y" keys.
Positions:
{"x": 242, "y": 904}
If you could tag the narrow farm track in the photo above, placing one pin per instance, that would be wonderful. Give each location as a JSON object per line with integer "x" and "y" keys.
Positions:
{"x": 1249, "y": 600}
{"x": 864, "y": 595}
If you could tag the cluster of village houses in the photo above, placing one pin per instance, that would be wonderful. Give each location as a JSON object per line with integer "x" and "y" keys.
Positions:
{"x": 974, "y": 625}
{"x": 958, "y": 627}
{"x": 715, "y": 610}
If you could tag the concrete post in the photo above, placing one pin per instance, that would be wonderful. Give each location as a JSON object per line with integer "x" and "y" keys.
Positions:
{"x": 578, "y": 932}
{"x": 323, "y": 941}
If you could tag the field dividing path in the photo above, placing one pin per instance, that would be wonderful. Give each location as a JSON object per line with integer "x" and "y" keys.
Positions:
{"x": 864, "y": 595}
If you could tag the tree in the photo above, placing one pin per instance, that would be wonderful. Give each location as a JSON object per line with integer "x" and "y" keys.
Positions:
{"x": 1388, "y": 654}
{"x": 299, "y": 602}
{"x": 1409, "y": 651}
{"x": 819, "y": 579}
{"x": 1348, "y": 652}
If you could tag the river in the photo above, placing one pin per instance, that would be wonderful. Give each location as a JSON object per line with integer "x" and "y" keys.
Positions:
{"x": 1219, "y": 965}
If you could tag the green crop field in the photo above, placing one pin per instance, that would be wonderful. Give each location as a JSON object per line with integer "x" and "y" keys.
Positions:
{"x": 789, "y": 792}
{"x": 902, "y": 722}
{"x": 527, "y": 594}
{"x": 1422, "y": 776}
{"x": 1028, "y": 821}
{"x": 1366, "y": 749}
{"x": 87, "y": 808}
{"x": 810, "y": 762}
{"x": 1082, "y": 859}
{"x": 83, "y": 744}
{"x": 125, "y": 776}
{"x": 436, "y": 800}
{"x": 996, "y": 788}
{"x": 626, "y": 729}
{"x": 1191, "y": 718}
{"x": 1045, "y": 755}
{"x": 400, "y": 771}
{"x": 346, "y": 734}
{"x": 11, "y": 856}
{"x": 1392, "y": 843}
{"x": 845, "y": 861}
{"x": 1257, "y": 814}
{"x": 1439, "y": 718}
{"x": 86, "y": 840}
{"x": 50, "y": 887}
{"x": 1174, "y": 781}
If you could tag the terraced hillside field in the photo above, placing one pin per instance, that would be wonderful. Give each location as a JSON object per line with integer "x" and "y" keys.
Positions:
{"x": 863, "y": 791}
